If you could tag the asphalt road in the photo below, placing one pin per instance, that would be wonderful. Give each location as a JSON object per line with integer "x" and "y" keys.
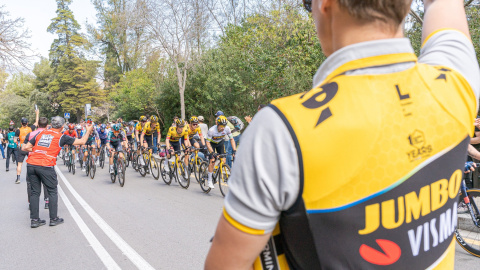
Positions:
{"x": 144, "y": 225}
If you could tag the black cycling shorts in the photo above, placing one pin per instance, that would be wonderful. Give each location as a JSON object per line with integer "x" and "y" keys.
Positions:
{"x": 176, "y": 146}
{"x": 150, "y": 140}
{"x": 218, "y": 147}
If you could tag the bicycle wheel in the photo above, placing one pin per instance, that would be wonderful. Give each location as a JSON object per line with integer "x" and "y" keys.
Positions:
{"x": 72, "y": 164}
{"x": 166, "y": 176}
{"x": 134, "y": 161}
{"x": 68, "y": 163}
{"x": 121, "y": 171}
{"x": 114, "y": 174}
{"x": 467, "y": 233}
{"x": 93, "y": 168}
{"x": 127, "y": 159}
{"x": 154, "y": 168}
{"x": 142, "y": 169}
{"x": 223, "y": 179}
{"x": 102, "y": 157}
{"x": 203, "y": 176}
{"x": 87, "y": 165}
{"x": 196, "y": 169}
{"x": 182, "y": 175}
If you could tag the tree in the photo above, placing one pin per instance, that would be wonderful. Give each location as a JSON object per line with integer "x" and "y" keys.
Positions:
{"x": 15, "y": 50}
{"x": 74, "y": 82}
{"x": 120, "y": 35}
{"x": 170, "y": 23}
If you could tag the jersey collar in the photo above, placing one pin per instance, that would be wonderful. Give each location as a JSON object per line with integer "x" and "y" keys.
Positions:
{"x": 364, "y": 55}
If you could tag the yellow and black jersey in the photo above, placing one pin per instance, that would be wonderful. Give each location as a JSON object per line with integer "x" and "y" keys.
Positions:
{"x": 149, "y": 130}
{"x": 376, "y": 153}
{"x": 173, "y": 136}
{"x": 192, "y": 132}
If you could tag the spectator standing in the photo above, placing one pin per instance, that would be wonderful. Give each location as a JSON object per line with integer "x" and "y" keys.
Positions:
{"x": 2, "y": 138}
{"x": 236, "y": 125}
{"x": 12, "y": 147}
{"x": 45, "y": 147}
{"x": 202, "y": 125}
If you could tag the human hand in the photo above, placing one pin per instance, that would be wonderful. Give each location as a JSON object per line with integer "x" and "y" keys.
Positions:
{"x": 470, "y": 167}
{"x": 248, "y": 118}
{"x": 477, "y": 123}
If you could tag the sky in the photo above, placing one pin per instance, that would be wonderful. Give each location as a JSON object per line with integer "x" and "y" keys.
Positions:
{"x": 38, "y": 15}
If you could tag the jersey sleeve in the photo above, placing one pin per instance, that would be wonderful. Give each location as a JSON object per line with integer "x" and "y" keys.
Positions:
{"x": 17, "y": 133}
{"x": 66, "y": 140}
{"x": 451, "y": 48}
{"x": 169, "y": 133}
{"x": 265, "y": 178}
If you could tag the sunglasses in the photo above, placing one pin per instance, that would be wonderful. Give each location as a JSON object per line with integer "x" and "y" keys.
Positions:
{"x": 308, "y": 5}
{"x": 194, "y": 125}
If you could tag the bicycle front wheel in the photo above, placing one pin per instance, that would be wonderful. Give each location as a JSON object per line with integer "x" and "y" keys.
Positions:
{"x": 141, "y": 165}
{"x": 467, "y": 233}
{"x": 93, "y": 168}
{"x": 121, "y": 171}
{"x": 203, "y": 176}
{"x": 223, "y": 181}
{"x": 134, "y": 161}
{"x": 155, "y": 168}
{"x": 182, "y": 175}
{"x": 165, "y": 175}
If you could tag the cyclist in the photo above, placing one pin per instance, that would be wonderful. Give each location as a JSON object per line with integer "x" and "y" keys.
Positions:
{"x": 115, "y": 140}
{"x": 91, "y": 143}
{"x": 373, "y": 98}
{"x": 173, "y": 139}
{"x": 215, "y": 143}
{"x": 151, "y": 133}
{"x": 195, "y": 134}
{"x": 138, "y": 130}
{"x": 72, "y": 133}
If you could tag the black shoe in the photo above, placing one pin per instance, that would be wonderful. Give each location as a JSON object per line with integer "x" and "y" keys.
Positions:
{"x": 56, "y": 221}
{"x": 7, "y": 169}
{"x": 35, "y": 223}
{"x": 46, "y": 205}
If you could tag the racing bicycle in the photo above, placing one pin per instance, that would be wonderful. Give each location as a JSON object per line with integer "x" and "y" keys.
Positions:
{"x": 118, "y": 168}
{"x": 221, "y": 173}
{"x": 176, "y": 170}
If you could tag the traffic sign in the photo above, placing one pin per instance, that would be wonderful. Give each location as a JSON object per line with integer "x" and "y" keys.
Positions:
{"x": 66, "y": 115}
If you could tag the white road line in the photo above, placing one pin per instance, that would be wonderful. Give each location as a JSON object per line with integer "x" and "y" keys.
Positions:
{"x": 97, "y": 247}
{"x": 136, "y": 259}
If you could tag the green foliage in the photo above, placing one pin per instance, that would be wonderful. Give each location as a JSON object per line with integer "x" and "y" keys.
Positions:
{"x": 135, "y": 95}
{"x": 21, "y": 84}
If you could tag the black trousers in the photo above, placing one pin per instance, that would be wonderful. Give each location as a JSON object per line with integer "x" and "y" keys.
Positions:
{"x": 46, "y": 175}
{"x": 29, "y": 190}
{"x": 13, "y": 152}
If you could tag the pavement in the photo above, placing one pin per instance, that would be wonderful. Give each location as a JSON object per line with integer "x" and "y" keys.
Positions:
{"x": 144, "y": 225}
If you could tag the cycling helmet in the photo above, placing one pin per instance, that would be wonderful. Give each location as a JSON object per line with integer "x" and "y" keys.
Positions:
{"x": 89, "y": 121}
{"x": 143, "y": 118}
{"x": 153, "y": 119}
{"x": 116, "y": 127}
{"x": 193, "y": 120}
{"x": 131, "y": 123}
{"x": 180, "y": 122}
{"x": 71, "y": 126}
{"x": 78, "y": 127}
{"x": 24, "y": 121}
{"x": 103, "y": 126}
{"x": 221, "y": 121}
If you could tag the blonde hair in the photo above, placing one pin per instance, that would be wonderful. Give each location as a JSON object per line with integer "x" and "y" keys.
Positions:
{"x": 388, "y": 11}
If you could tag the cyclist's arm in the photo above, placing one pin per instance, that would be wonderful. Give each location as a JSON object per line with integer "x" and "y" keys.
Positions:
{"x": 84, "y": 139}
{"x": 473, "y": 152}
{"x": 136, "y": 134}
{"x": 209, "y": 147}
{"x": 234, "y": 249}
{"x": 187, "y": 140}
{"x": 476, "y": 139}
{"x": 167, "y": 142}
{"x": 234, "y": 146}
{"x": 202, "y": 139}
{"x": 159, "y": 134}
{"x": 141, "y": 137}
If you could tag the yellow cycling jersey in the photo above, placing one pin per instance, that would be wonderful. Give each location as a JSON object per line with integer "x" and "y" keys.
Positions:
{"x": 173, "y": 136}
{"x": 148, "y": 130}
{"x": 192, "y": 132}
{"x": 399, "y": 200}
{"x": 139, "y": 127}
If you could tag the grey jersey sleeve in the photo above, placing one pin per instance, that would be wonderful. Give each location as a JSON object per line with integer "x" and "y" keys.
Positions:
{"x": 453, "y": 49}
{"x": 265, "y": 177}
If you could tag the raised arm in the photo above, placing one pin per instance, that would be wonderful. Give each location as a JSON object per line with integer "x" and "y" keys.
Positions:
{"x": 84, "y": 139}
{"x": 441, "y": 14}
